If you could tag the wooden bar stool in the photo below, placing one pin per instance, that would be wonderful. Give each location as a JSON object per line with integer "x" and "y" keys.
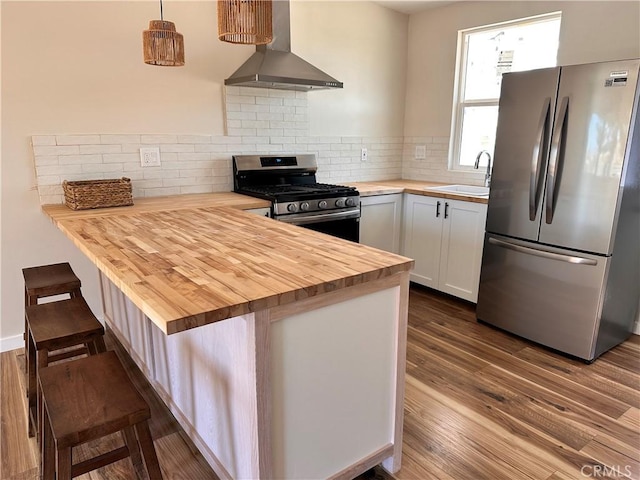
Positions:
{"x": 49, "y": 280}
{"x": 55, "y": 326}
{"x": 85, "y": 400}
{"x": 46, "y": 281}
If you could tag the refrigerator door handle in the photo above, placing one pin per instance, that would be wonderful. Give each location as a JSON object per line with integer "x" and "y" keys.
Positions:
{"x": 537, "y": 159}
{"x": 553, "y": 176}
{"x": 543, "y": 253}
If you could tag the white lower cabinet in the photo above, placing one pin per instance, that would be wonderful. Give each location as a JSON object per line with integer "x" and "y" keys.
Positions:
{"x": 381, "y": 221}
{"x": 445, "y": 238}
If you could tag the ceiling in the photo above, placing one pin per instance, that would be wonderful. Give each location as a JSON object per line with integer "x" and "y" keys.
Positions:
{"x": 411, "y": 6}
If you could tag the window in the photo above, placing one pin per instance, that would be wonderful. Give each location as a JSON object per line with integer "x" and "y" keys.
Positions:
{"x": 486, "y": 53}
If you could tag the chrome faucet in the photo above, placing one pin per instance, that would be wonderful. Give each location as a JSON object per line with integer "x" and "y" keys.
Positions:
{"x": 487, "y": 175}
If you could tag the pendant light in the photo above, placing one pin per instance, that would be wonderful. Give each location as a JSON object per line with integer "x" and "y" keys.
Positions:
{"x": 246, "y": 22}
{"x": 161, "y": 44}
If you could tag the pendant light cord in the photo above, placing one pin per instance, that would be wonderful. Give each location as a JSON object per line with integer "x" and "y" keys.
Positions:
{"x": 161, "y": 16}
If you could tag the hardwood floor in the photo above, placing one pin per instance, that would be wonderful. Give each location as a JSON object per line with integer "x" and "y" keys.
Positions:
{"x": 480, "y": 404}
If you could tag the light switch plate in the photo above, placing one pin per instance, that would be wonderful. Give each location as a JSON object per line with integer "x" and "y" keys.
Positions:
{"x": 150, "y": 157}
{"x": 421, "y": 152}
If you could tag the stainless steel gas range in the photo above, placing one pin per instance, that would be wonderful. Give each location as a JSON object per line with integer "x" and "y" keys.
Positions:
{"x": 289, "y": 182}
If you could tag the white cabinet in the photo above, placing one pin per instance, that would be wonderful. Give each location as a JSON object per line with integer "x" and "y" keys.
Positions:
{"x": 445, "y": 238}
{"x": 381, "y": 221}
{"x": 264, "y": 212}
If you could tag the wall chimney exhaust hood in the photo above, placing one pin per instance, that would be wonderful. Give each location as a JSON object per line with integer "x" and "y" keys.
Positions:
{"x": 274, "y": 66}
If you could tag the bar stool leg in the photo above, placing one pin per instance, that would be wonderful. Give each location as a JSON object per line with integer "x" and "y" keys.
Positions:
{"x": 134, "y": 450}
{"x": 96, "y": 346}
{"x": 63, "y": 463}
{"x": 148, "y": 451}
{"x": 47, "y": 464}
{"x": 31, "y": 385}
{"x": 42, "y": 360}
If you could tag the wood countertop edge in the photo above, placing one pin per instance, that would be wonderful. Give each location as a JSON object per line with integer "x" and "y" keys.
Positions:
{"x": 389, "y": 187}
{"x": 175, "y": 325}
{"x": 253, "y": 306}
{"x": 165, "y": 203}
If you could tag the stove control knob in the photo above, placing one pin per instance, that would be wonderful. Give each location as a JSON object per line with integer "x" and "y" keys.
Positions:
{"x": 322, "y": 204}
{"x": 340, "y": 203}
{"x": 304, "y": 206}
{"x": 292, "y": 207}
{"x": 351, "y": 202}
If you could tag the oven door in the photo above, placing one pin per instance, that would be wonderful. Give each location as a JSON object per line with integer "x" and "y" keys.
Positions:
{"x": 343, "y": 224}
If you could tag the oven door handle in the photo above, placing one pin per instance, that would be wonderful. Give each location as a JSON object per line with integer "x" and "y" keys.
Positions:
{"x": 318, "y": 217}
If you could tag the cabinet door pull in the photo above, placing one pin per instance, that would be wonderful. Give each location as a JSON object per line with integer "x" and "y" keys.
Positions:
{"x": 446, "y": 209}
{"x": 437, "y": 209}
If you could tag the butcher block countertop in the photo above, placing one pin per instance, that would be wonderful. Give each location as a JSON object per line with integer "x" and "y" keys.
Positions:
{"x": 387, "y": 187}
{"x": 194, "y": 262}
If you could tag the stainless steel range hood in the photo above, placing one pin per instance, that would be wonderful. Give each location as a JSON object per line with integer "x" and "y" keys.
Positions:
{"x": 274, "y": 66}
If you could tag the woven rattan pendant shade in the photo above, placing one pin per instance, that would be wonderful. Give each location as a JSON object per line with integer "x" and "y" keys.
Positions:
{"x": 163, "y": 45}
{"x": 245, "y": 21}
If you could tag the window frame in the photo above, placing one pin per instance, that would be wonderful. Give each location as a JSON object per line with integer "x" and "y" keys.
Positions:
{"x": 462, "y": 54}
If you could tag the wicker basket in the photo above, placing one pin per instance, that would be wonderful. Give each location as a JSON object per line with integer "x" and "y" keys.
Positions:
{"x": 86, "y": 194}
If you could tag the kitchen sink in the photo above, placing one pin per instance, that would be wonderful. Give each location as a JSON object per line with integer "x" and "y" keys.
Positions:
{"x": 470, "y": 190}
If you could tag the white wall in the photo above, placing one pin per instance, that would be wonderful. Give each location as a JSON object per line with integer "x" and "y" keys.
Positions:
{"x": 76, "y": 68}
{"x": 589, "y": 32}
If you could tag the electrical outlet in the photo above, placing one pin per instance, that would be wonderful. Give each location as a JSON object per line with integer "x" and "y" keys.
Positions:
{"x": 364, "y": 155}
{"x": 421, "y": 152}
{"x": 150, "y": 157}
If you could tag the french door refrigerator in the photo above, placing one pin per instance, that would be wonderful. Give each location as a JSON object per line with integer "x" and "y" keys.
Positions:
{"x": 561, "y": 259}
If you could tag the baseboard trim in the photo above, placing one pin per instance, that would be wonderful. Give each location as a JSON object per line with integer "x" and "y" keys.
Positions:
{"x": 11, "y": 343}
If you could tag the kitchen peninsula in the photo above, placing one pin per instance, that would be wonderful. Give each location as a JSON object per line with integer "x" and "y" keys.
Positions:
{"x": 281, "y": 351}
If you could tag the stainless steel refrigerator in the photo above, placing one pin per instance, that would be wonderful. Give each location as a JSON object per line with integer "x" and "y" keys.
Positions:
{"x": 561, "y": 259}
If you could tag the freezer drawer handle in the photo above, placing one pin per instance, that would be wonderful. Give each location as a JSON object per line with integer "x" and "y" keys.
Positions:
{"x": 537, "y": 159}
{"x": 543, "y": 254}
{"x": 555, "y": 161}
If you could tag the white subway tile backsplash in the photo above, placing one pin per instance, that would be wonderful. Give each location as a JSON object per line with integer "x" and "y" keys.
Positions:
{"x": 270, "y": 116}
{"x": 272, "y": 102}
{"x": 255, "y": 124}
{"x": 254, "y": 92}
{"x": 194, "y": 138}
{"x": 281, "y": 93}
{"x": 49, "y": 180}
{"x": 157, "y": 139}
{"x": 103, "y": 168}
{"x": 210, "y": 148}
{"x": 119, "y": 139}
{"x": 233, "y": 124}
{"x": 239, "y": 132}
{"x": 282, "y": 109}
{"x": 56, "y": 150}
{"x": 59, "y": 169}
{"x": 121, "y": 158}
{"x": 241, "y": 116}
{"x": 196, "y": 189}
{"x": 48, "y": 160}
{"x": 258, "y": 121}
{"x": 98, "y": 149}
{"x": 176, "y": 148}
{"x": 38, "y": 140}
{"x": 231, "y": 99}
{"x": 161, "y": 191}
{"x": 196, "y": 172}
{"x": 77, "y": 139}
{"x": 251, "y": 108}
